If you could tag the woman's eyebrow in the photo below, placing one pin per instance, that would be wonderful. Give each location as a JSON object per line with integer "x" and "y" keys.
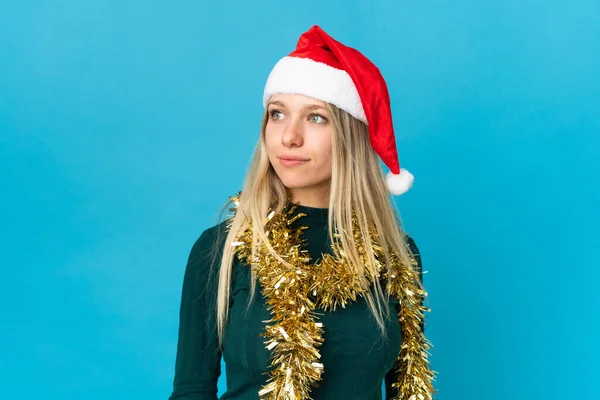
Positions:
{"x": 276, "y": 103}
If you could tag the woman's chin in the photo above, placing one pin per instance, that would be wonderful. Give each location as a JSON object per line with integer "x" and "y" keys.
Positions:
{"x": 299, "y": 181}
{"x": 292, "y": 185}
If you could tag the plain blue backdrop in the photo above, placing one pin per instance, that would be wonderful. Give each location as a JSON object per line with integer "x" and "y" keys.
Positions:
{"x": 124, "y": 127}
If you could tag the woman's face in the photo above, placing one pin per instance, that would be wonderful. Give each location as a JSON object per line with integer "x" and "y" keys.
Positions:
{"x": 298, "y": 140}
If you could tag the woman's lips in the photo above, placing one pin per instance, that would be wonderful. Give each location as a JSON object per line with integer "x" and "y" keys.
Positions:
{"x": 292, "y": 161}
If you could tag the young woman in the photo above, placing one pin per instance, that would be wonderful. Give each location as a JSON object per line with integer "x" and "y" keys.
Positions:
{"x": 311, "y": 289}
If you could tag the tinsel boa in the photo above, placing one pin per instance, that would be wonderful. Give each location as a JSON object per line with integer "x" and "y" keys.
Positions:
{"x": 294, "y": 334}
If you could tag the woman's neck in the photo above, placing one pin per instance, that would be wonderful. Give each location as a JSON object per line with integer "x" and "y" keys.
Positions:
{"x": 310, "y": 197}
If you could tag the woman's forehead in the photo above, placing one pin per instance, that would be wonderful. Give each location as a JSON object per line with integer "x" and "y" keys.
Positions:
{"x": 295, "y": 100}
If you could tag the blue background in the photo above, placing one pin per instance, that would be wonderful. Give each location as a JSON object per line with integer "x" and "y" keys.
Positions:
{"x": 124, "y": 127}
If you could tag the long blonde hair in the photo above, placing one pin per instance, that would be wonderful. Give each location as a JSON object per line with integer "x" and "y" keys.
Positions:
{"x": 357, "y": 183}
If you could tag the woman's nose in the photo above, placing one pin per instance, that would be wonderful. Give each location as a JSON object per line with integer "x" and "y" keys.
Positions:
{"x": 292, "y": 135}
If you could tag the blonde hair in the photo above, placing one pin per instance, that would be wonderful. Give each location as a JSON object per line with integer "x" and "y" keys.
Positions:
{"x": 357, "y": 183}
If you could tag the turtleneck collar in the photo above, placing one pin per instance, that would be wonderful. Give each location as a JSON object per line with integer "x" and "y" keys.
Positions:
{"x": 313, "y": 215}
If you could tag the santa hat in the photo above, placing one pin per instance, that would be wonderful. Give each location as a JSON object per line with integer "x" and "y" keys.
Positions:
{"x": 327, "y": 70}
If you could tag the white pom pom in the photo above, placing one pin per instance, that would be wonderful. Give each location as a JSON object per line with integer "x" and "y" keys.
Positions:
{"x": 400, "y": 183}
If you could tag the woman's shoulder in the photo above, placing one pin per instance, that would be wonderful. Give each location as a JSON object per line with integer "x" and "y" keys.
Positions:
{"x": 215, "y": 232}
{"x": 412, "y": 245}
{"x": 414, "y": 250}
{"x": 209, "y": 241}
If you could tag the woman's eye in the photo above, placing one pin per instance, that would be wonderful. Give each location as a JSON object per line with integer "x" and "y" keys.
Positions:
{"x": 318, "y": 119}
{"x": 276, "y": 114}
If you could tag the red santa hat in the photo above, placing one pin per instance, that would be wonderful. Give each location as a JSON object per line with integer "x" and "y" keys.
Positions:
{"x": 327, "y": 70}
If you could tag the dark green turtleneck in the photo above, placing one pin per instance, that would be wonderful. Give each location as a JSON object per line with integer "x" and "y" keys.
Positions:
{"x": 356, "y": 359}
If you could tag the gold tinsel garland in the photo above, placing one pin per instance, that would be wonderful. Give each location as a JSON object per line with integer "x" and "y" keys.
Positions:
{"x": 294, "y": 334}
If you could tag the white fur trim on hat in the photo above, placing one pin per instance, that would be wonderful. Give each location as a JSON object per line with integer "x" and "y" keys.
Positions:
{"x": 317, "y": 80}
{"x": 398, "y": 184}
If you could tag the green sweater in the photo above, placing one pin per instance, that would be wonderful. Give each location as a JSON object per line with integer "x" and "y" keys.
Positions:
{"x": 356, "y": 359}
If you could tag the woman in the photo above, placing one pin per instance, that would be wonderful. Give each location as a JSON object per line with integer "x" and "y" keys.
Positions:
{"x": 300, "y": 290}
